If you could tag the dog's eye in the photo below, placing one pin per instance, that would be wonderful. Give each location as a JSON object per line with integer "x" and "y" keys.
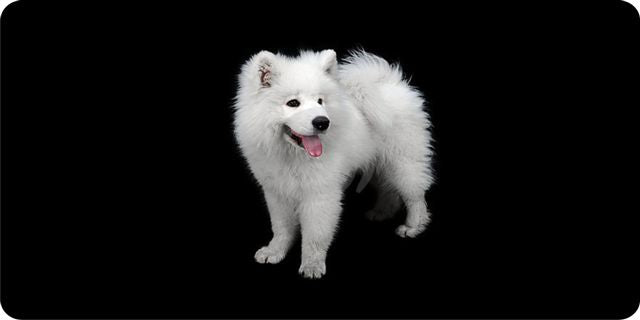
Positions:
{"x": 320, "y": 101}
{"x": 293, "y": 103}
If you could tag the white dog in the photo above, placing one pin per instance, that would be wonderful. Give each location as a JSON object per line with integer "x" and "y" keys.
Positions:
{"x": 307, "y": 124}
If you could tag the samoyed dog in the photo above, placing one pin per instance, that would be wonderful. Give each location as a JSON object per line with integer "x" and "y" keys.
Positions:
{"x": 307, "y": 124}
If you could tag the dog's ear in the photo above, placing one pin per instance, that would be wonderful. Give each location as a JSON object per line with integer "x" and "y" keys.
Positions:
{"x": 329, "y": 61}
{"x": 264, "y": 62}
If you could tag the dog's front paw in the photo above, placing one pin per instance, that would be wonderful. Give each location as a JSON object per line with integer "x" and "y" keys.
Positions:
{"x": 313, "y": 269}
{"x": 269, "y": 255}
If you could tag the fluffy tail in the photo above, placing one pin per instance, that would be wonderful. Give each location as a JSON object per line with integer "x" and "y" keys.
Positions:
{"x": 364, "y": 74}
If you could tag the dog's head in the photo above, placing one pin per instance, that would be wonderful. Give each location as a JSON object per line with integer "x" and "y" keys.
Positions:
{"x": 294, "y": 95}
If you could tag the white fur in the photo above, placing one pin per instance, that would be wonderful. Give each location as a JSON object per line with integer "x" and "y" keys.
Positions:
{"x": 377, "y": 123}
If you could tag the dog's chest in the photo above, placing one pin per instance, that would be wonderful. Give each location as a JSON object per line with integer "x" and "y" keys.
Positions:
{"x": 296, "y": 177}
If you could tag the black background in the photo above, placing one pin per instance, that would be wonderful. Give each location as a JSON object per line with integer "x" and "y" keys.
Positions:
{"x": 124, "y": 195}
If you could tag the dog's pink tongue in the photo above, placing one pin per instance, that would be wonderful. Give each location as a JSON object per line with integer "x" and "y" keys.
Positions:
{"x": 312, "y": 144}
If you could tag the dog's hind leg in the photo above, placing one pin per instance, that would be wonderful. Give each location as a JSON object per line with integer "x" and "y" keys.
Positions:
{"x": 284, "y": 225}
{"x": 411, "y": 179}
{"x": 418, "y": 218}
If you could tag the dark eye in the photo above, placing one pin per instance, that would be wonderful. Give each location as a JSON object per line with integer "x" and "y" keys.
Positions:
{"x": 293, "y": 103}
{"x": 320, "y": 101}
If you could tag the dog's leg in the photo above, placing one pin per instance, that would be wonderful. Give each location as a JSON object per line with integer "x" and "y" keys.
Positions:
{"x": 284, "y": 226}
{"x": 319, "y": 215}
{"x": 411, "y": 180}
{"x": 418, "y": 218}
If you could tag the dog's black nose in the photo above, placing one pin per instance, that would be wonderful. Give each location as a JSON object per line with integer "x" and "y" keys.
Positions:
{"x": 320, "y": 123}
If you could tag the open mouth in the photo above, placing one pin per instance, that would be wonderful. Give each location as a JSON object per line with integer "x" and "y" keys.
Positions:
{"x": 311, "y": 144}
{"x": 293, "y": 137}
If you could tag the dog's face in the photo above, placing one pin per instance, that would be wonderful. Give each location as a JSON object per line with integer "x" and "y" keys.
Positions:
{"x": 299, "y": 94}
